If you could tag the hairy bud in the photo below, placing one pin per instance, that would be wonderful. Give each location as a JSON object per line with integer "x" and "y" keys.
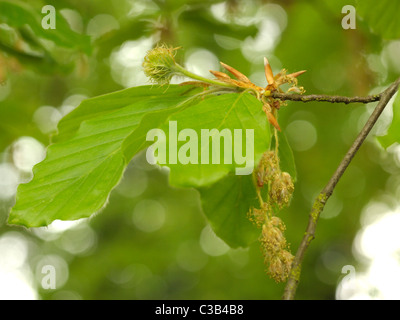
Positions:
{"x": 279, "y": 266}
{"x": 272, "y": 238}
{"x": 274, "y": 247}
{"x": 282, "y": 189}
{"x": 277, "y": 222}
{"x": 159, "y": 64}
{"x": 276, "y": 269}
{"x": 268, "y": 168}
{"x": 259, "y": 216}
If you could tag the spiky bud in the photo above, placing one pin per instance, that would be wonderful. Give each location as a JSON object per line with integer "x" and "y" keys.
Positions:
{"x": 159, "y": 64}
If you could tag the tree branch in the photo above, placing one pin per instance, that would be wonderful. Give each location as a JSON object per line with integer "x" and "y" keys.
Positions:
{"x": 320, "y": 201}
{"x": 320, "y": 97}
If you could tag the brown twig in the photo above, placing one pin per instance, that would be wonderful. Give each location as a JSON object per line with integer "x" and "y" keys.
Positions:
{"x": 320, "y": 201}
{"x": 320, "y": 98}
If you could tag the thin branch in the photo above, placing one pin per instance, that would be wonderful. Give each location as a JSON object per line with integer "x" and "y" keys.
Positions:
{"x": 320, "y": 201}
{"x": 321, "y": 97}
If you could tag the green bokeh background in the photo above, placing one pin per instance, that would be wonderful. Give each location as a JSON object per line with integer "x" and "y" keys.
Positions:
{"x": 109, "y": 256}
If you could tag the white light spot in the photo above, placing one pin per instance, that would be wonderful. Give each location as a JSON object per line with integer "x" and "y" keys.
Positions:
{"x": 126, "y": 62}
{"x": 141, "y": 7}
{"x": 211, "y": 244}
{"x": 14, "y": 250}
{"x": 255, "y": 48}
{"x": 385, "y": 119}
{"x": 240, "y": 257}
{"x": 301, "y": 134}
{"x": 219, "y": 11}
{"x": 27, "y": 152}
{"x": 134, "y": 183}
{"x": 200, "y": 61}
{"x": 130, "y": 276}
{"x": 58, "y": 264}
{"x": 15, "y": 277}
{"x": 381, "y": 237}
{"x": 332, "y": 208}
{"x": 74, "y": 19}
{"x": 390, "y": 55}
{"x": 378, "y": 244}
{"x": 9, "y": 179}
{"x": 190, "y": 257}
{"x": 78, "y": 240}
{"x": 15, "y": 286}
{"x": 71, "y": 103}
{"x": 226, "y": 42}
{"x": 56, "y": 228}
{"x": 101, "y": 24}
{"x": 46, "y": 118}
{"x": 148, "y": 215}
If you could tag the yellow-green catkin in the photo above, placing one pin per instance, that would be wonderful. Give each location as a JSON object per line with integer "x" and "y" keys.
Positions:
{"x": 259, "y": 216}
{"x": 281, "y": 190}
{"x": 274, "y": 246}
{"x": 268, "y": 168}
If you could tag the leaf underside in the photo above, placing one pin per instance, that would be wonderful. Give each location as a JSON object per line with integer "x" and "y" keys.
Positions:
{"x": 87, "y": 162}
{"x": 229, "y": 111}
{"x": 226, "y": 204}
{"x": 97, "y": 140}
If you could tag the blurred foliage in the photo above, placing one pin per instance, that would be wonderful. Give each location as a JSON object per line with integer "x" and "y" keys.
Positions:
{"x": 393, "y": 133}
{"x": 383, "y": 19}
{"x": 118, "y": 254}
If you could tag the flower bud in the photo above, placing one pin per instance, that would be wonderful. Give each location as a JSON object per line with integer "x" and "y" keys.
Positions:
{"x": 277, "y": 222}
{"x": 276, "y": 269}
{"x": 282, "y": 189}
{"x": 272, "y": 238}
{"x": 159, "y": 64}
{"x": 287, "y": 260}
{"x": 275, "y": 249}
{"x": 286, "y": 257}
{"x": 259, "y": 216}
{"x": 268, "y": 168}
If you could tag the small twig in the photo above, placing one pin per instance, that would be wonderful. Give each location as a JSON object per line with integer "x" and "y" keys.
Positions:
{"x": 320, "y": 201}
{"x": 319, "y": 98}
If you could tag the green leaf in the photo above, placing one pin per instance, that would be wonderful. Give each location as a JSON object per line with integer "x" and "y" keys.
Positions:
{"x": 393, "y": 133}
{"x": 226, "y": 201}
{"x": 226, "y": 204}
{"x": 88, "y": 159}
{"x": 97, "y": 140}
{"x": 18, "y": 14}
{"x": 381, "y": 16}
{"x": 235, "y": 119}
{"x": 103, "y": 105}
